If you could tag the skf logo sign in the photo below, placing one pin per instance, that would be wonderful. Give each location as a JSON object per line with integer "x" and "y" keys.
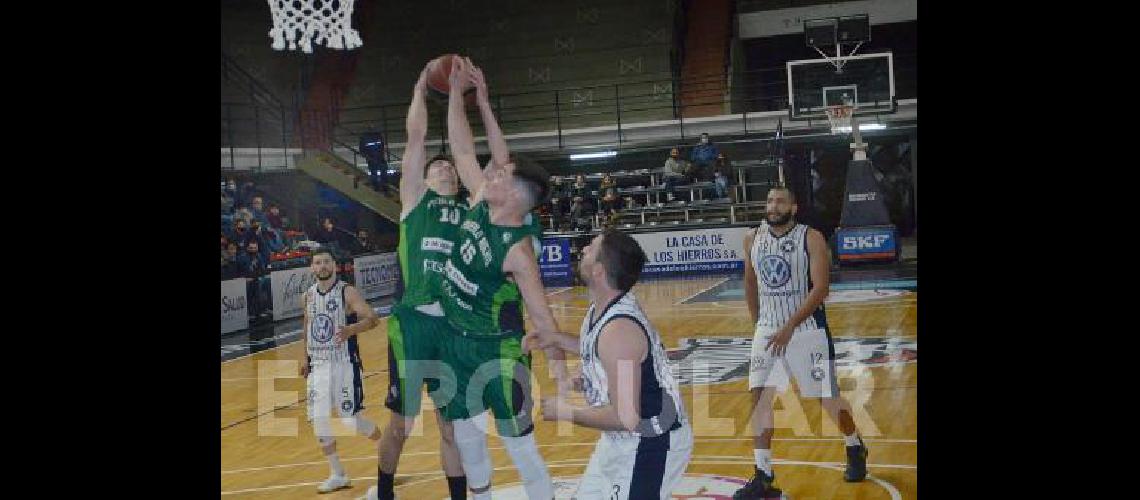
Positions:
{"x": 870, "y": 241}
{"x": 867, "y": 243}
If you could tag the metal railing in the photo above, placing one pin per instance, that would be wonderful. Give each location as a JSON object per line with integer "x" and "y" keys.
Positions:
{"x": 656, "y": 97}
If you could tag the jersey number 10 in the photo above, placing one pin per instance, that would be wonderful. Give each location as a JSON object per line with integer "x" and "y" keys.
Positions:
{"x": 447, "y": 215}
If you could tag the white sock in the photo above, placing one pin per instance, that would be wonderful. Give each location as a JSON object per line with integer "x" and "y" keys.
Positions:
{"x": 763, "y": 460}
{"x": 334, "y": 464}
{"x": 852, "y": 440}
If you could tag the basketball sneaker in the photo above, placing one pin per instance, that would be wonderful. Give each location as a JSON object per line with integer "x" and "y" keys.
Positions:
{"x": 759, "y": 488}
{"x": 332, "y": 484}
{"x": 856, "y": 463}
{"x": 373, "y": 494}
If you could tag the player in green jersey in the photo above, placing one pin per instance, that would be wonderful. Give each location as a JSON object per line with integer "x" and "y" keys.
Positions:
{"x": 429, "y": 222}
{"x": 491, "y": 275}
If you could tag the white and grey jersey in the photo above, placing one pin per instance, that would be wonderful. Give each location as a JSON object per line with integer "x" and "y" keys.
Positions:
{"x": 783, "y": 276}
{"x": 327, "y": 315}
{"x": 662, "y": 409}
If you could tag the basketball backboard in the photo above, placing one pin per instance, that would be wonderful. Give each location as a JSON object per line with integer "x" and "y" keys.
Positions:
{"x": 867, "y": 81}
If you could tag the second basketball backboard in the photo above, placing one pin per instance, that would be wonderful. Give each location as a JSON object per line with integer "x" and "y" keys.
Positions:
{"x": 866, "y": 81}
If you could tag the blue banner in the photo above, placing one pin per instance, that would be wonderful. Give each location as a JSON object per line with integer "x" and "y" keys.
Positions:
{"x": 554, "y": 261}
{"x": 867, "y": 243}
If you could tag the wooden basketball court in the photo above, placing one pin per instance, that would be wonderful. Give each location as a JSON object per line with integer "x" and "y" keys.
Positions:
{"x": 275, "y": 455}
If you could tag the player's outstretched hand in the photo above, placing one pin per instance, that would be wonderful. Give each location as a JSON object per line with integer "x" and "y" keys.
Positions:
{"x": 460, "y": 74}
{"x": 482, "y": 97}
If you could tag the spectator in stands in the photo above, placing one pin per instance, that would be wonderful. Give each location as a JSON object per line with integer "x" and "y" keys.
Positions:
{"x": 243, "y": 213}
{"x": 610, "y": 202}
{"x": 674, "y": 171}
{"x": 257, "y": 207}
{"x": 720, "y": 183}
{"x": 328, "y": 235}
{"x": 721, "y": 176}
{"x": 276, "y": 240}
{"x": 231, "y": 189}
{"x": 578, "y": 216}
{"x": 607, "y": 182}
{"x": 273, "y": 217}
{"x": 252, "y": 267}
{"x": 327, "y": 232}
{"x": 580, "y": 189}
{"x": 267, "y": 240}
{"x": 364, "y": 244}
{"x": 559, "y": 201}
{"x": 251, "y": 261}
{"x": 581, "y": 192}
{"x": 239, "y": 233}
{"x": 230, "y": 269}
{"x": 703, "y": 156}
{"x": 227, "y": 204}
{"x": 556, "y": 213}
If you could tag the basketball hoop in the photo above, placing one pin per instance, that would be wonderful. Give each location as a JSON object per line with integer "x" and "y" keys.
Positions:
{"x": 839, "y": 116}
{"x": 305, "y": 22}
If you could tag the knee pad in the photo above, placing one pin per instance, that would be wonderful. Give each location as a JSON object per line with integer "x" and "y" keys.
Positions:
{"x": 531, "y": 467}
{"x": 325, "y": 441}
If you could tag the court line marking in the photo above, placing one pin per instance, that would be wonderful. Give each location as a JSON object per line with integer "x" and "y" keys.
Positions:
{"x": 266, "y": 350}
{"x": 891, "y": 489}
{"x": 275, "y": 408}
{"x": 714, "y": 285}
{"x": 580, "y": 462}
{"x": 846, "y": 370}
{"x": 290, "y": 377}
{"x": 720, "y": 309}
{"x": 560, "y": 445}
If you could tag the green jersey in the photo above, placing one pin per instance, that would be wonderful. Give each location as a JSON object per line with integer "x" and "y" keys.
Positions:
{"x": 426, "y": 237}
{"x": 474, "y": 292}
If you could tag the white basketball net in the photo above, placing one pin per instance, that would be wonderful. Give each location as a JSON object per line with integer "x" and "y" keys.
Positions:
{"x": 840, "y": 118}
{"x": 305, "y": 22}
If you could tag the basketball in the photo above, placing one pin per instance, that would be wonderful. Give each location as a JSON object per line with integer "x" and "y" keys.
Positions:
{"x": 438, "y": 74}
